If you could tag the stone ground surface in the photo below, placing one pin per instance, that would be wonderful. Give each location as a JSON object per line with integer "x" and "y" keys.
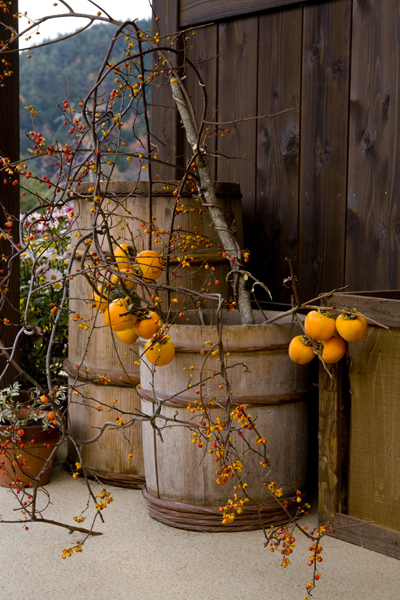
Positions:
{"x": 138, "y": 558}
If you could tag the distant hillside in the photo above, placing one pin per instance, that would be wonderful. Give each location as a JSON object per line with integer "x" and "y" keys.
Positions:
{"x": 60, "y": 71}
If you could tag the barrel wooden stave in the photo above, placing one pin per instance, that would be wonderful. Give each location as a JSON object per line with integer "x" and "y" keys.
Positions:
{"x": 98, "y": 346}
{"x": 110, "y": 453}
{"x": 178, "y": 471}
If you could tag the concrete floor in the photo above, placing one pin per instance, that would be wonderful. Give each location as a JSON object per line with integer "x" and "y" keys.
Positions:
{"x": 140, "y": 559}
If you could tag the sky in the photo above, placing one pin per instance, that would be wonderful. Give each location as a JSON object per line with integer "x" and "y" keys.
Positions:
{"x": 118, "y": 9}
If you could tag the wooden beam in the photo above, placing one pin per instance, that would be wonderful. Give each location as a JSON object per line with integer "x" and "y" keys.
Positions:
{"x": 364, "y": 534}
{"x": 203, "y": 11}
{"x": 237, "y": 99}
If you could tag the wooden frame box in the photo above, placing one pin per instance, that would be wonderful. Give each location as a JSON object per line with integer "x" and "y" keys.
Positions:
{"x": 359, "y": 430}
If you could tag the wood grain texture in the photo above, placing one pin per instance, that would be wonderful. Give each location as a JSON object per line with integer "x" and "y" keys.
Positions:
{"x": 9, "y": 194}
{"x": 97, "y": 352}
{"x": 201, "y": 11}
{"x": 383, "y": 307}
{"x": 202, "y": 51}
{"x": 367, "y": 535}
{"x": 237, "y": 99}
{"x": 359, "y": 457}
{"x": 165, "y": 124}
{"x": 129, "y": 207}
{"x": 182, "y": 400}
{"x": 373, "y": 221}
{"x": 333, "y": 439}
{"x": 208, "y": 518}
{"x": 323, "y": 147}
{"x": 279, "y": 83}
{"x": 110, "y": 454}
{"x": 374, "y": 485}
{"x": 187, "y": 474}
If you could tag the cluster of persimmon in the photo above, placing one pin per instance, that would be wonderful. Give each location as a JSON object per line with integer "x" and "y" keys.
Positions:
{"x": 128, "y": 319}
{"x": 326, "y": 336}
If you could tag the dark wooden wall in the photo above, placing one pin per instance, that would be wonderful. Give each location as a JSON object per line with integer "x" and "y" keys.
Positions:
{"x": 320, "y": 183}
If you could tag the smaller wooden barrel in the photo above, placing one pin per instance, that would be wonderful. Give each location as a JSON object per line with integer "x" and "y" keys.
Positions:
{"x": 181, "y": 488}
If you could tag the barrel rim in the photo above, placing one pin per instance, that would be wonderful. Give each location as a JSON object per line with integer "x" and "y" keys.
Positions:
{"x": 95, "y": 375}
{"x": 222, "y": 188}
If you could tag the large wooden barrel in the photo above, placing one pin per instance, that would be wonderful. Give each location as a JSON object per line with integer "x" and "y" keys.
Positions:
{"x": 181, "y": 487}
{"x": 101, "y": 368}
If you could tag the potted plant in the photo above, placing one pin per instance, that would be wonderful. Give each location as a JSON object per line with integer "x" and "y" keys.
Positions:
{"x": 29, "y": 436}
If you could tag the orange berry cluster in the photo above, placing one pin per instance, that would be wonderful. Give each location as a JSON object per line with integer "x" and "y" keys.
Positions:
{"x": 103, "y": 499}
{"x": 232, "y": 505}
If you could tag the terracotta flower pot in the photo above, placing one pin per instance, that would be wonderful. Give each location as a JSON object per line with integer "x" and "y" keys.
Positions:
{"x": 19, "y": 464}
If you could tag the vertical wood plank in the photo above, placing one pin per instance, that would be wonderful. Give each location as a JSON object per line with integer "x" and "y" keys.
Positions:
{"x": 279, "y": 81}
{"x": 165, "y": 124}
{"x": 203, "y": 53}
{"x": 329, "y": 394}
{"x": 9, "y": 194}
{"x": 323, "y": 148}
{"x": 333, "y": 435}
{"x": 373, "y": 222}
{"x": 237, "y": 99}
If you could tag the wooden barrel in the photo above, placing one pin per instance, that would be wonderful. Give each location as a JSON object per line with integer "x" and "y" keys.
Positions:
{"x": 101, "y": 368}
{"x": 181, "y": 487}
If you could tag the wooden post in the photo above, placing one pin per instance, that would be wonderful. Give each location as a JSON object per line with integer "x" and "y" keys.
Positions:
{"x": 9, "y": 194}
{"x": 333, "y": 436}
